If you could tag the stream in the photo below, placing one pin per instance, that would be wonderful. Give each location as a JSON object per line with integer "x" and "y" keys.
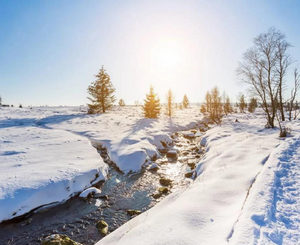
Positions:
{"x": 77, "y": 218}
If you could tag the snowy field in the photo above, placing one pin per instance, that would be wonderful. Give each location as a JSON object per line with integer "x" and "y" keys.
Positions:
{"x": 47, "y": 154}
{"x": 247, "y": 189}
{"x": 247, "y": 192}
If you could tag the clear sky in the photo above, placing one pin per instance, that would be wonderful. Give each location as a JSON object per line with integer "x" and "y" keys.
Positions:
{"x": 51, "y": 50}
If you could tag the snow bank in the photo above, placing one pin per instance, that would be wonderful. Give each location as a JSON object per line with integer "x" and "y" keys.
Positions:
{"x": 271, "y": 213}
{"x": 39, "y": 166}
{"x": 90, "y": 191}
{"x": 129, "y": 138}
{"x": 207, "y": 211}
{"x": 46, "y": 154}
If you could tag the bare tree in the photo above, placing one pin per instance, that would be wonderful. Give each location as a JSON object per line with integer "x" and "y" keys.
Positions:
{"x": 283, "y": 62}
{"x": 227, "y": 106}
{"x": 264, "y": 67}
{"x": 214, "y": 104}
{"x": 252, "y": 105}
{"x": 203, "y": 108}
{"x": 294, "y": 92}
{"x": 242, "y": 104}
{"x": 297, "y": 112}
{"x": 208, "y": 101}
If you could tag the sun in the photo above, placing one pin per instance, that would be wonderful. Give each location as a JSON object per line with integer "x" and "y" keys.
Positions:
{"x": 167, "y": 54}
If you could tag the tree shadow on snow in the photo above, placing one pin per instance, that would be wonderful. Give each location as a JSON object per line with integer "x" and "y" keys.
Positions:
{"x": 142, "y": 124}
{"x": 27, "y": 122}
{"x": 24, "y": 122}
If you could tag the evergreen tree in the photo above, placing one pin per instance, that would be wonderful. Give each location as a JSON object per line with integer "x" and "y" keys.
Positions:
{"x": 185, "y": 102}
{"x": 121, "y": 102}
{"x": 102, "y": 93}
{"x": 170, "y": 103}
{"x": 0, "y": 100}
{"x": 151, "y": 105}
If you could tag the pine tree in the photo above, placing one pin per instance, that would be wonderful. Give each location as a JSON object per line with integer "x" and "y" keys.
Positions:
{"x": 151, "y": 105}
{"x": 185, "y": 102}
{"x": 121, "y": 102}
{"x": 0, "y": 100}
{"x": 170, "y": 103}
{"x": 102, "y": 93}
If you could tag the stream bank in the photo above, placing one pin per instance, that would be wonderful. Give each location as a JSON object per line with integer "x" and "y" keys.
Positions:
{"x": 120, "y": 193}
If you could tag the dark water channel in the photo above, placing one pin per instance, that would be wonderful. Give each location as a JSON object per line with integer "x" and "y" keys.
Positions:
{"x": 77, "y": 217}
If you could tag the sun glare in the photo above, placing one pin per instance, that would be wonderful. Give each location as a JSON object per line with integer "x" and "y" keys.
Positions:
{"x": 167, "y": 54}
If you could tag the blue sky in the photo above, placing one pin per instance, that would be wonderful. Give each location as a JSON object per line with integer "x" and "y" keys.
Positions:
{"x": 51, "y": 50}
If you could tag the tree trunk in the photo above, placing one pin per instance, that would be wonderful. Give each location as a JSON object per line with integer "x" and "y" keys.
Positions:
{"x": 280, "y": 101}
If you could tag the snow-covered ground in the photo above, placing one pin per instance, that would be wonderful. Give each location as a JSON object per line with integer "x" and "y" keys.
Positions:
{"x": 129, "y": 137}
{"x": 271, "y": 214}
{"x": 39, "y": 166}
{"x": 47, "y": 154}
{"x": 247, "y": 189}
{"x": 225, "y": 204}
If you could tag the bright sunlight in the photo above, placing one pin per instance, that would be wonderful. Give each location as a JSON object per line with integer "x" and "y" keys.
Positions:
{"x": 167, "y": 54}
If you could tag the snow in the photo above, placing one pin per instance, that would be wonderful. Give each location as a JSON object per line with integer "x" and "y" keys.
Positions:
{"x": 271, "y": 214}
{"x": 208, "y": 211}
{"x": 172, "y": 151}
{"x": 189, "y": 135}
{"x": 47, "y": 153}
{"x": 92, "y": 190}
{"x": 35, "y": 163}
{"x": 130, "y": 139}
{"x": 153, "y": 166}
{"x": 246, "y": 191}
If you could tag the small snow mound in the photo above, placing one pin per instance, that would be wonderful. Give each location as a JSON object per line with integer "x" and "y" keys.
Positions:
{"x": 198, "y": 134}
{"x": 173, "y": 151}
{"x": 189, "y": 135}
{"x": 154, "y": 166}
{"x": 90, "y": 191}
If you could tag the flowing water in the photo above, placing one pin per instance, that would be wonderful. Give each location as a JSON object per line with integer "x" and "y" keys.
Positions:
{"x": 77, "y": 217}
